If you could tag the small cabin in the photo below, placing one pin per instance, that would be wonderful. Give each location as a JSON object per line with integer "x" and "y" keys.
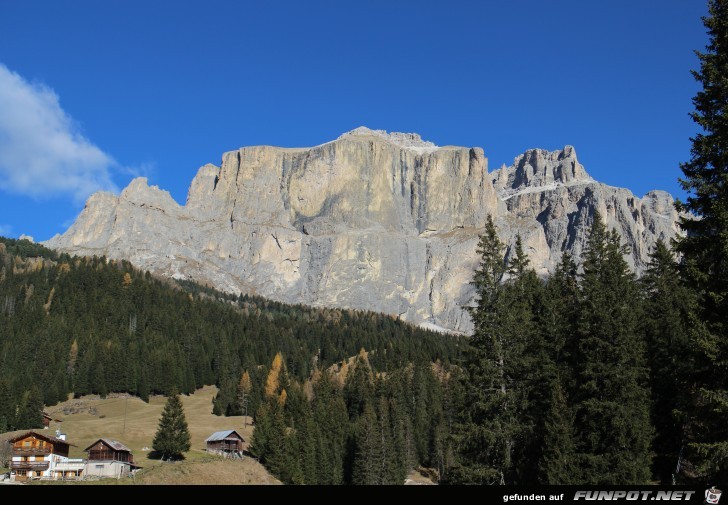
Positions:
{"x": 109, "y": 458}
{"x": 228, "y": 443}
{"x": 47, "y": 419}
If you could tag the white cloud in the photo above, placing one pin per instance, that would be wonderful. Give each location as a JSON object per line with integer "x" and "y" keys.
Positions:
{"x": 42, "y": 152}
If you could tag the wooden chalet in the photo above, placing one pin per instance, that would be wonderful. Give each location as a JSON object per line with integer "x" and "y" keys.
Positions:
{"x": 109, "y": 458}
{"x": 227, "y": 443}
{"x": 39, "y": 456}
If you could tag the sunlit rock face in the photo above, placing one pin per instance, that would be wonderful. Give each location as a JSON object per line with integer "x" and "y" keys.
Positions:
{"x": 372, "y": 220}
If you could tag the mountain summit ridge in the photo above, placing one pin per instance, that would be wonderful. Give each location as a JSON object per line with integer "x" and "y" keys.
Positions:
{"x": 372, "y": 220}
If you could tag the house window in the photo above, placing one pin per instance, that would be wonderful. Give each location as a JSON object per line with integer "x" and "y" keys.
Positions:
{"x": 99, "y": 466}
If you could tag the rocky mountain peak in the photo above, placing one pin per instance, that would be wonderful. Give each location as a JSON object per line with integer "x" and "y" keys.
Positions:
{"x": 406, "y": 140}
{"x": 541, "y": 169}
{"x": 139, "y": 192}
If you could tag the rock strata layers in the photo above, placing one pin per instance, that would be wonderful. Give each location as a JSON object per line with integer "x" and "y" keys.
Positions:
{"x": 372, "y": 220}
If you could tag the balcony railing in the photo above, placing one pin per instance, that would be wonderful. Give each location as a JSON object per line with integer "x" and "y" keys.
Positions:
{"x": 31, "y": 451}
{"x": 29, "y": 465}
{"x": 109, "y": 456}
{"x": 72, "y": 465}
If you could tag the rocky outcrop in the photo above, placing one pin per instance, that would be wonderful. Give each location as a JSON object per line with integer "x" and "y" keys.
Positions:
{"x": 373, "y": 220}
{"x": 553, "y": 189}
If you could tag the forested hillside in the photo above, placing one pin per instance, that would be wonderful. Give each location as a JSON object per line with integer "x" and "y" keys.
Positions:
{"x": 88, "y": 325}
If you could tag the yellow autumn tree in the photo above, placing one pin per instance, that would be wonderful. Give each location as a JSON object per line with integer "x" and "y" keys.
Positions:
{"x": 343, "y": 372}
{"x": 245, "y": 385}
{"x": 72, "y": 357}
{"x": 274, "y": 375}
{"x": 282, "y": 398}
{"x": 127, "y": 279}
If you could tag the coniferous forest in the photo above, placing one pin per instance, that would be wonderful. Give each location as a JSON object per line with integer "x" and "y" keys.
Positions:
{"x": 94, "y": 326}
{"x": 595, "y": 376}
{"x": 588, "y": 376}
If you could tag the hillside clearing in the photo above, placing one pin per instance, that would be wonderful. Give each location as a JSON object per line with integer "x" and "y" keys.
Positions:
{"x": 134, "y": 423}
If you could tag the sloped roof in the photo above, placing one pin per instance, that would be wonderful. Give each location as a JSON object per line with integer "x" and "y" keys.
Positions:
{"x": 222, "y": 435}
{"x": 114, "y": 444}
{"x": 47, "y": 438}
{"x": 48, "y": 416}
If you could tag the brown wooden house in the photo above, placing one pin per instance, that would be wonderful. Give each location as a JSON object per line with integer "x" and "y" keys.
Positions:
{"x": 38, "y": 456}
{"x": 226, "y": 443}
{"x": 109, "y": 458}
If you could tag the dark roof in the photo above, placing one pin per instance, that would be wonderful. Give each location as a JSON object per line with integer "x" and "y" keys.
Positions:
{"x": 47, "y": 416}
{"x": 52, "y": 440}
{"x": 222, "y": 435}
{"x": 114, "y": 444}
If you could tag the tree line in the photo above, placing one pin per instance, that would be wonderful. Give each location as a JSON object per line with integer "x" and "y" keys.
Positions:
{"x": 81, "y": 326}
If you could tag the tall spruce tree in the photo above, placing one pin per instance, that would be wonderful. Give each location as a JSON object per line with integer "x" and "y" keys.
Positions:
{"x": 667, "y": 305}
{"x": 30, "y": 410}
{"x": 704, "y": 250}
{"x": 612, "y": 398}
{"x": 481, "y": 461}
{"x": 367, "y": 448}
{"x": 173, "y": 437}
{"x": 494, "y": 427}
{"x": 7, "y": 407}
{"x": 529, "y": 367}
{"x": 558, "y": 464}
{"x": 331, "y": 419}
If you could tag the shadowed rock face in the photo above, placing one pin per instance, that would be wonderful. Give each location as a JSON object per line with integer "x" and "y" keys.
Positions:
{"x": 374, "y": 221}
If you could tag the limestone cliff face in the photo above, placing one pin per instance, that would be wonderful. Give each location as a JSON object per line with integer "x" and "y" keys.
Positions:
{"x": 375, "y": 221}
{"x": 554, "y": 190}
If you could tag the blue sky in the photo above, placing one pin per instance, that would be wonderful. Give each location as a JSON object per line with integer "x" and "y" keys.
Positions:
{"x": 93, "y": 93}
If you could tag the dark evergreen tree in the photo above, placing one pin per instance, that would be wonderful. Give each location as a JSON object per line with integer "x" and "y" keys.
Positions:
{"x": 558, "y": 464}
{"x": 30, "y": 411}
{"x": 531, "y": 367}
{"x": 612, "y": 397}
{"x": 421, "y": 409}
{"x": 358, "y": 388}
{"x": 368, "y": 449}
{"x": 330, "y": 417}
{"x": 555, "y": 354}
{"x": 558, "y": 316}
{"x": 704, "y": 250}
{"x": 306, "y": 435}
{"x": 7, "y": 407}
{"x": 263, "y": 433}
{"x": 495, "y": 432}
{"x": 668, "y": 304}
{"x": 390, "y": 470}
{"x": 173, "y": 437}
{"x": 484, "y": 455}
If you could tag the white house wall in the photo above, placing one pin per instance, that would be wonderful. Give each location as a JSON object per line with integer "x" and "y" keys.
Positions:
{"x": 114, "y": 469}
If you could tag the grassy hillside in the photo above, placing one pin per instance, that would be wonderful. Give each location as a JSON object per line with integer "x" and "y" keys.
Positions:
{"x": 86, "y": 419}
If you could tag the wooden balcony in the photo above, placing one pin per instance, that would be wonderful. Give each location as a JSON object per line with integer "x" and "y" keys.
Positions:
{"x": 32, "y": 451}
{"x": 38, "y": 466}
{"x": 122, "y": 456}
